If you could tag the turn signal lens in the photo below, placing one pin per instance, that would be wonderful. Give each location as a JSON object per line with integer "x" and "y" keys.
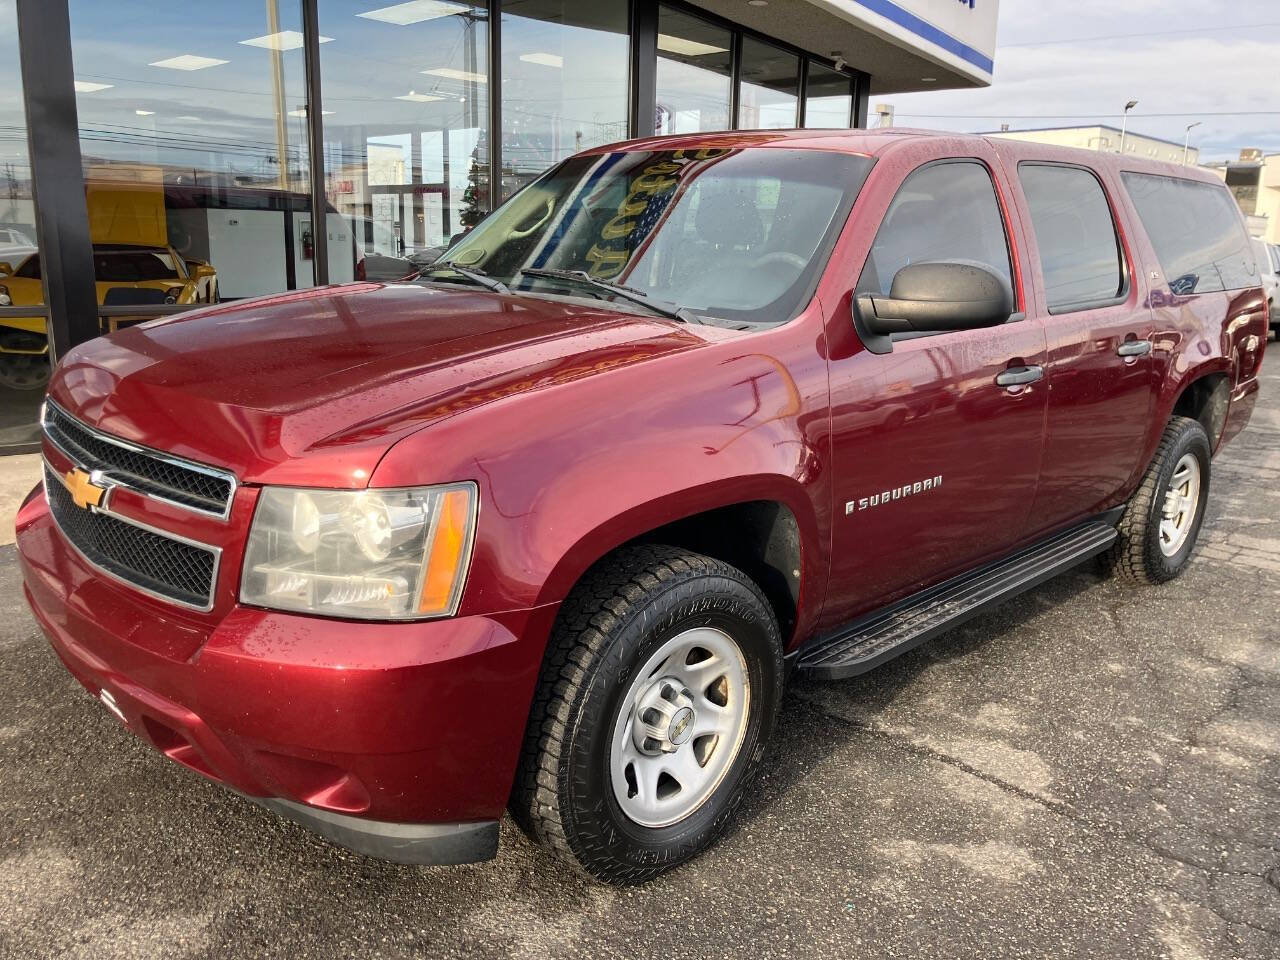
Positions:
{"x": 442, "y": 579}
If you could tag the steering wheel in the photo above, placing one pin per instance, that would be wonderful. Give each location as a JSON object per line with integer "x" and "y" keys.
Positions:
{"x": 782, "y": 256}
{"x": 548, "y": 205}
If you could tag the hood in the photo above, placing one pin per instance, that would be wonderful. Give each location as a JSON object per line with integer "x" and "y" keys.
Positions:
{"x": 313, "y": 387}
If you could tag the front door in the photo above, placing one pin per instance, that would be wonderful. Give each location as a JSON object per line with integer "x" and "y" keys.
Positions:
{"x": 935, "y": 463}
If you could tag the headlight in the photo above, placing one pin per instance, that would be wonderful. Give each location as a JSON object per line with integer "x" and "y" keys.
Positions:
{"x": 5, "y": 299}
{"x": 374, "y": 554}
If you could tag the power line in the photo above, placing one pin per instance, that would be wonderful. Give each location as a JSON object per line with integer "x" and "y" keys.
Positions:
{"x": 1136, "y": 36}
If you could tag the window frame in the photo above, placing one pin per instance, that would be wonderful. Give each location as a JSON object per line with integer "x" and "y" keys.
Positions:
{"x": 1018, "y": 313}
{"x": 1122, "y": 247}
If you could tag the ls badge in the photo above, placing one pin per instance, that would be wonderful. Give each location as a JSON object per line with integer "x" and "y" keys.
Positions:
{"x": 87, "y": 489}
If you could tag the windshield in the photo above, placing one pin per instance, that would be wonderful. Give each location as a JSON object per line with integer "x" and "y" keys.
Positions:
{"x": 133, "y": 266}
{"x": 732, "y": 233}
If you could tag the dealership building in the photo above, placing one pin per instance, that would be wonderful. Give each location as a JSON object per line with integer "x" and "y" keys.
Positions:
{"x": 156, "y": 156}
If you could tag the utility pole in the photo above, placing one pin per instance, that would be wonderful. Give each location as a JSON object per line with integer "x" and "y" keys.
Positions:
{"x": 1124, "y": 123}
{"x": 1186, "y": 142}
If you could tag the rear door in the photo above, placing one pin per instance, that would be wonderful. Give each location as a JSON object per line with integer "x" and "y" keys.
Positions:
{"x": 1098, "y": 327}
{"x": 935, "y": 462}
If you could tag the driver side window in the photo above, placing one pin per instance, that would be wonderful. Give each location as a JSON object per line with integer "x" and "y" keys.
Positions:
{"x": 942, "y": 211}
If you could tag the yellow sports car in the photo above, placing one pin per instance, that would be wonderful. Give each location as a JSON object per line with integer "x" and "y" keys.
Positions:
{"x": 127, "y": 275}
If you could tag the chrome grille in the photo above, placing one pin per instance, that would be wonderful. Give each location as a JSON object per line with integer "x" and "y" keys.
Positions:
{"x": 151, "y": 560}
{"x": 149, "y": 472}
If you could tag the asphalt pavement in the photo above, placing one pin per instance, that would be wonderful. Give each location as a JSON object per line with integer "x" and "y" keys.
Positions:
{"x": 1090, "y": 771}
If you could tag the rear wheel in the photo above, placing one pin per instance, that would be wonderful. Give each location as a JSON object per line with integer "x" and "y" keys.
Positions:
{"x": 658, "y": 694}
{"x": 1162, "y": 520}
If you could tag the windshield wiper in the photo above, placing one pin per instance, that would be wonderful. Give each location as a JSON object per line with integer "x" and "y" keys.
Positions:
{"x": 473, "y": 274}
{"x": 670, "y": 310}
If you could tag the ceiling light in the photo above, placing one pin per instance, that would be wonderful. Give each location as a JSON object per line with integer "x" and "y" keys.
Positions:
{"x": 187, "y": 116}
{"x": 415, "y": 11}
{"x": 419, "y": 97}
{"x": 928, "y": 79}
{"x": 84, "y": 86}
{"x": 284, "y": 40}
{"x": 757, "y": 3}
{"x": 188, "y": 61}
{"x": 449, "y": 73}
{"x": 688, "y": 48}
{"x": 545, "y": 59}
{"x": 145, "y": 113}
{"x": 302, "y": 112}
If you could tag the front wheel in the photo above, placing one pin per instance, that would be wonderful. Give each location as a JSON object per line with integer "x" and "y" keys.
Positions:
{"x": 1162, "y": 520}
{"x": 658, "y": 694}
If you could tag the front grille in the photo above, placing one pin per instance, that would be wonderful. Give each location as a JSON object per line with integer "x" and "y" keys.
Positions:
{"x": 150, "y": 472}
{"x": 157, "y": 564}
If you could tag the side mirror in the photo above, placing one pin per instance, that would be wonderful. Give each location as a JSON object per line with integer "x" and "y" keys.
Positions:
{"x": 933, "y": 297}
{"x": 199, "y": 269}
{"x": 6, "y": 268}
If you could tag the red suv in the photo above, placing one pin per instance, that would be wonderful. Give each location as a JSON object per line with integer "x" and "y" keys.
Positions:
{"x": 548, "y": 529}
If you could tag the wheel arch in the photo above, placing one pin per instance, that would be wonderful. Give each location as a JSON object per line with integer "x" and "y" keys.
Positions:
{"x": 1204, "y": 396}
{"x": 765, "y": 526}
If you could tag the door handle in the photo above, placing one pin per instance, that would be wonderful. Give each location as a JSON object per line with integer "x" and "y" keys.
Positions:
{"x": 1019, "y": 376}
{"x": 1134, "y": 348}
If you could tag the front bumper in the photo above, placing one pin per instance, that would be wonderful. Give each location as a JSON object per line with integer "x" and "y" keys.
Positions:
{"x": 396, "y": 740}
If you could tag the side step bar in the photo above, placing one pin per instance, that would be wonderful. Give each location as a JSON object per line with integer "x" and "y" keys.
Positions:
{"x": 884, "y": 634}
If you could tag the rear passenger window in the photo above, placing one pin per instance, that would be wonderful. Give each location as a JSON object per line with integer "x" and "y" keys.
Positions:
{"x": 943, "y": 211}
{"x": 1196, "y": 231}
{"x": 1076, "y": 236}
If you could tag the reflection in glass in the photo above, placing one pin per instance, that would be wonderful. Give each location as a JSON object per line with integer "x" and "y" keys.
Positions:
{"x": 828, "y": 98}
{"x": 24, "y": 346}
{"x": 695, "y": 65}
{"x": 406, "y": 102}
{"x": 564, "y": 82}
{"x": 193, "y": 136}
{"x": 735, "y": 236}
{"x": 770, "y": 81}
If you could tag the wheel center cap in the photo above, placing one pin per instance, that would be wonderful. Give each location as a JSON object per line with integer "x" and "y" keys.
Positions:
{"x": 681, "y": 726}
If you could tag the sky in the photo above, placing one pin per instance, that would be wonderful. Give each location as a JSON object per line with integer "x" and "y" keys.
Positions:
{"x": 1074, "y": 64}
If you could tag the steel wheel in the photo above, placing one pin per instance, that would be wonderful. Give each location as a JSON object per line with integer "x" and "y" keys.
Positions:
{"x": 1181, "y": 501}
{"x": 679, "y": 727}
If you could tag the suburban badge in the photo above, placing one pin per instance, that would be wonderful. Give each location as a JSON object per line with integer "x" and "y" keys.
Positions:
{"x": 896, "y": 493}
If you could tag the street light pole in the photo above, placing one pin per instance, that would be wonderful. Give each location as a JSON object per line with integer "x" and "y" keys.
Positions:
{"x": 1124, "y": 123}
{"x": 1186, "y": 142}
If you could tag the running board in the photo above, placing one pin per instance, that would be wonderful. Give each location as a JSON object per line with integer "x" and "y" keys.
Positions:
{"x": 871, "y": 640}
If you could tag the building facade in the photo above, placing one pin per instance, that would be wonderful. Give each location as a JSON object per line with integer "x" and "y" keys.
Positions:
{"x": 158, "y": 156}
{"x": 1254, "y": 180}
{"x": 1107, "y": 139}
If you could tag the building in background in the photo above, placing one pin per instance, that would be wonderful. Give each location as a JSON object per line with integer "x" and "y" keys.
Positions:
{"x": 247, "y": 147}
{"x": 1254, "y": 180}
{"x": 1106, "y": 139}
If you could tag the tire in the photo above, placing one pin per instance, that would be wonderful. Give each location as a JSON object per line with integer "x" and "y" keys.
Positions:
{"x": 1140, "y": 554}
{"x": 630, "y": 609}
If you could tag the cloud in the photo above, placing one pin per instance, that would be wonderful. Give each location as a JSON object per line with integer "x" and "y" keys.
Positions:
{"x": 1227, "y": 78}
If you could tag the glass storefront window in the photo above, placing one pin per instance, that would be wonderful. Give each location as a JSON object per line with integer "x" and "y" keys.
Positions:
{"x": 193, "y": 137}
{"x": 405, "y": 93}
{"x": 24, "y": 343}
{"x": 695, "y": 69}
{"x": 770, "y": 84}
{"x": 564, "y": 82}
{"x": 828, "y": 98}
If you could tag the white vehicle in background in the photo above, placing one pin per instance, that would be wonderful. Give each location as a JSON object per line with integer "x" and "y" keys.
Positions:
{"x": 1268, "y": 255}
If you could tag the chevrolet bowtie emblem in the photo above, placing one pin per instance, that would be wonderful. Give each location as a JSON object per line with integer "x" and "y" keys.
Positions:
{"x": 84, "y": 491}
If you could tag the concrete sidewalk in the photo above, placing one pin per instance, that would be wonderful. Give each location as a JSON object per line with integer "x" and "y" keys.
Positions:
{"x": 1091, "y": 771}
{"x": 17, "y": 476}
